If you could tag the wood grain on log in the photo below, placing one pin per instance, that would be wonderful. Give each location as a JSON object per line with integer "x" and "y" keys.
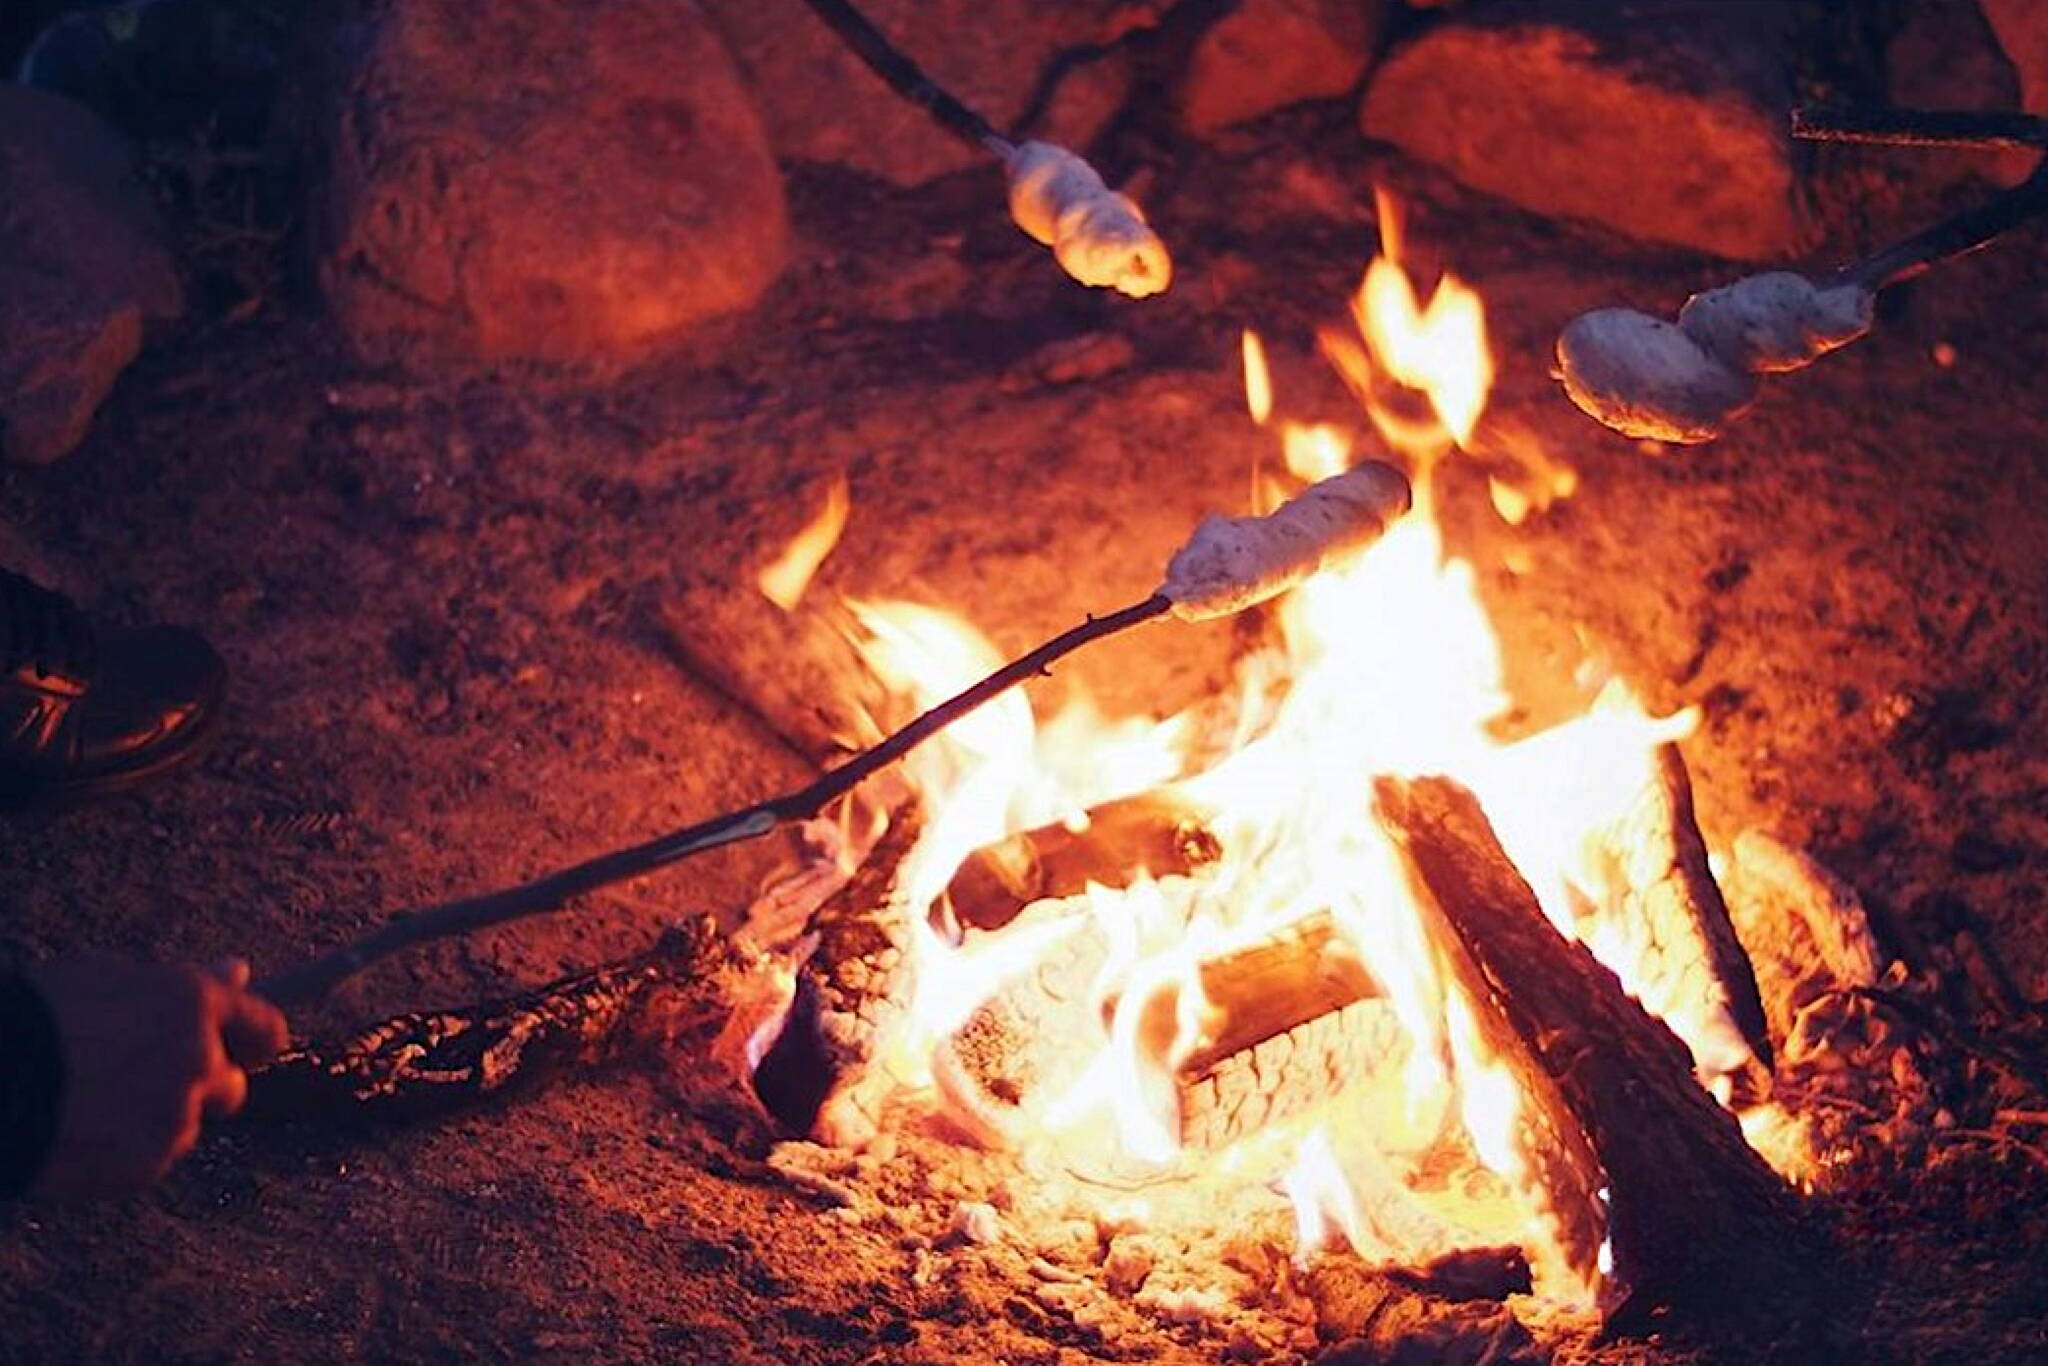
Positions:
{"x": 1296, "y": 1020}
{"x": 1701, "y": 1227}
{"x": 1668, "y": 918}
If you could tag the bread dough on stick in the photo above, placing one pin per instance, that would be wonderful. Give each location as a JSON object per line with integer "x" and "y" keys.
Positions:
{"x": 1098, "y": 236}
{"x": 1232, "y": 563}
{"x": 1777, "y": 321}
{"x": 1643, "y": 377}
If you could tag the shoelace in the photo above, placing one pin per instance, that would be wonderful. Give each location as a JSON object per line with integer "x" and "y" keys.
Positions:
{"x": 42, "y": 629}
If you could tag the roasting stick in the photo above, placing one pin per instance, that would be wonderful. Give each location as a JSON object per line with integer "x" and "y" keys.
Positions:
{"x": 1684, "y": 382}
{"x": 1229, "y": 564}
{"x": 1098, "y": 236}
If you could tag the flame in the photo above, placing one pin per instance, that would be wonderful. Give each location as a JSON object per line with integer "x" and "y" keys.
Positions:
{"x": 1321, "y": 1195}
{"x": 783, "y": 580}
{"x": 1385, "y": 665}
{"x": 1258, "y": 380}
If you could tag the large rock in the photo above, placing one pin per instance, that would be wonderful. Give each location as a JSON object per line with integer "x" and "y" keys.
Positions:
{"x": 1665, "y": 119}
{"x": 822, "y": 103}
{"x": 82, "y": 267}
{"x": 2022, "y": 30}
{"x": 1264, "y": 55}
{"x": 535, "y": 179}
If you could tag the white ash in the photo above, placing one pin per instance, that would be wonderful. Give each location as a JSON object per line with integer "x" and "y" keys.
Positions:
{"x": 1232, "y": 563}
{"x": 1644, "y": 377}
{"x": 1098, "y": 236}
{"x": 1776, "y": 322}
{"x": 974, "y": 1222}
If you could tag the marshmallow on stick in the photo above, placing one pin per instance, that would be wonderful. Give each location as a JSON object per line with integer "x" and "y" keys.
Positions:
{"x": 1098, "y": 236}
{"x": 1644, "y": 377}
{"x": 1232, "y": 563}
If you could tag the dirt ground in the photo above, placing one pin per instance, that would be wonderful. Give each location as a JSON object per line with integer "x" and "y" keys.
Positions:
{"x": 469, "y": 621}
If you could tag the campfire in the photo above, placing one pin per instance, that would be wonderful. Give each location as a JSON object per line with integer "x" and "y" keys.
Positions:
{"x": 1274, "y": 955}
{"x": 1351, "y": 974}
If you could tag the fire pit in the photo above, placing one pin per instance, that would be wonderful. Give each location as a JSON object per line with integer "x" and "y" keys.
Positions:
{"x": 1334, "y": 960}
{"x": 1594, "y": 924}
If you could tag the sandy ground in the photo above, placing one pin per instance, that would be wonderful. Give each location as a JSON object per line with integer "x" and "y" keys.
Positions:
{"x": 452, "y": 608}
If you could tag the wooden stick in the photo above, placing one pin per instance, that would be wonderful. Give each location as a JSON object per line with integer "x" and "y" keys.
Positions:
{"x": 905, "y": 77}
{"x": 1954, "y": 236}
{"x": 312, "y": 980}
{"x": 1920, "y": 127}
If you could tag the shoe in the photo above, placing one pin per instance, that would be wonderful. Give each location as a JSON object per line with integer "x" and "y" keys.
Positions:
{"x": 85, "y": 711}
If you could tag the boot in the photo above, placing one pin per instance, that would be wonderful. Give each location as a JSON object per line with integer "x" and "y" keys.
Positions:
{"x": 86, "y": 710}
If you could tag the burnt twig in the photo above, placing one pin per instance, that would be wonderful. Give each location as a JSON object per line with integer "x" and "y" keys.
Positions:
{"x": 1920, "y": 127}
{"x": 314, "y": 979}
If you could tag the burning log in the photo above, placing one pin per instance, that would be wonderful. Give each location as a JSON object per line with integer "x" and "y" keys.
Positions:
{"x": 1806, "y": 928}
{"x": 1671, "y": 921}
{"x": 1700, "y": 1225}
{"x": 429, "y": 1063}
{"x": 1301, "y": 1021}
{"x": 1158, "y": 833}
{"x": 817, "y": 1077}
{"x": 1298, "y": 1019}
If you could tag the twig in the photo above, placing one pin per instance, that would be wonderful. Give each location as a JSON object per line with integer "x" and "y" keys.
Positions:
{"x": 314, "y": 979}
{"x": 2014, "y": 1064}
{"x": 1955, "y": 236}
{"x": 2005, "y": 1142}
{"x": 1920, "y": 127}
{"x": 886, "y": 60}
{"x": 2038, "y": 1118}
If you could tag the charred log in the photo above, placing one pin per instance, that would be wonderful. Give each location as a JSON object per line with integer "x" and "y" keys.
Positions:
{"x": 1298, "y": 1020}
{"x": 432, "y": 1062}
{"x": 816, "y": 1077}
{"x": 1700, "y": 1226}
{"x": 1674, "y": 924}
{"x": 1155, "y": 832}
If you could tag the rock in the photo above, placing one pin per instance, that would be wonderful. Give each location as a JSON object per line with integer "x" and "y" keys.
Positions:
{"x": 1664, "y": 119}
{"x": 1945, "y": 56}
{"x": 822, "y": 104}
{"x": 82, "y": 267}
{"x": 2021, "y": 27}
{"x": 579, "y": 183}
{"x": 1267, "y": 54}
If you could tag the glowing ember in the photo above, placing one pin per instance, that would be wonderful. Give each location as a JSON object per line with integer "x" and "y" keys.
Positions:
{"x": 1386, "y": 665}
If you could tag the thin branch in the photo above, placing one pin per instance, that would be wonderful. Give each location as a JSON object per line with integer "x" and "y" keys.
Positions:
{"x": 314, "y": 979}
{"x": 1955, "y": 236}
{"x": 889, "y": 62}
{"x": 1920, "y": 127}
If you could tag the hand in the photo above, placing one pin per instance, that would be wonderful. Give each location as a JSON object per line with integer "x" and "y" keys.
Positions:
{"x": 148, "y": 1050}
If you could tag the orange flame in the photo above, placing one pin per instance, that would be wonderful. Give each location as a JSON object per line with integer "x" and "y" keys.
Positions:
{"x": 783, "y": 580}
{"x": 1390, "y": 666}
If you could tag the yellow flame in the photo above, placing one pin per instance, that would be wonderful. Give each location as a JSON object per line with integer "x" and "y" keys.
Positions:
{"x": 1321, "y": 1195}
{"x": 1258, "y": 380}
{"x": 783, "y": 580}
{"x": 1387, "y": 665}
